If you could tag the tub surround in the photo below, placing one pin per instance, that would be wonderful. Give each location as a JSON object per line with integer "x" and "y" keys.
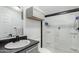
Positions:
{"x": 18, "y": 50}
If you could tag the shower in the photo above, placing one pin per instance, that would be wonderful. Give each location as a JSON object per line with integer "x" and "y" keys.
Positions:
{"x": 60, "y": 33}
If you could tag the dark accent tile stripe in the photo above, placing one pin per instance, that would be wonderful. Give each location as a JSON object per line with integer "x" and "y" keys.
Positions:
{"x": 63, "y": 12}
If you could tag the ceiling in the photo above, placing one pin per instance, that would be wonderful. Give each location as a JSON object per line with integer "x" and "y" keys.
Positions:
{"x": 54, "y": 9}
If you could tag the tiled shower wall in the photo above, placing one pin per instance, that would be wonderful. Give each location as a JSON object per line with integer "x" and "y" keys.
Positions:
{"x": 60, "y": 35}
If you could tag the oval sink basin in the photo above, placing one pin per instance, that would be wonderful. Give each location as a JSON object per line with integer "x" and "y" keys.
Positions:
{"x": 18, "y": 44}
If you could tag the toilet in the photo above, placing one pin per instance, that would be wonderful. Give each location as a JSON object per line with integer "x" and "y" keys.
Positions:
{"x": 43, "y": 50}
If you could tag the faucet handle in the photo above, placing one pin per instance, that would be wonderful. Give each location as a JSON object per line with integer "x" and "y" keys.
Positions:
{"x": 10, "y": 35}
{"x": 17, "y": 37}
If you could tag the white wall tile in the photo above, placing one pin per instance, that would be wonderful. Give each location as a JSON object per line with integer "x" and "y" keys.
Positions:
{"x": 60, "y": 39}
{"x": 31, "y": 27}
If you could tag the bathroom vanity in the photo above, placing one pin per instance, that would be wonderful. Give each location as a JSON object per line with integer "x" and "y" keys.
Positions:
{"x": 30, "y": 48}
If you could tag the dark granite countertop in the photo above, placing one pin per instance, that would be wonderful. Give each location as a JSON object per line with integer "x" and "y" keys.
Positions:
{"x": 4, "y": 50}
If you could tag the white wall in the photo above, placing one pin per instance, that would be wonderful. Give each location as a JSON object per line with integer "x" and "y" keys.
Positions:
{"x": 63, "y": 39}
{"x": 31, "y": 27}
{"x": 9, "y": 18}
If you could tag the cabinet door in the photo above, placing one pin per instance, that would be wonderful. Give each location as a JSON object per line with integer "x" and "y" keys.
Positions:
{"x": 33, "y": 49}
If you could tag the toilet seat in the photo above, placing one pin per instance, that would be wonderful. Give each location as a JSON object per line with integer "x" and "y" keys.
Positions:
{"x": 44, "y": 50}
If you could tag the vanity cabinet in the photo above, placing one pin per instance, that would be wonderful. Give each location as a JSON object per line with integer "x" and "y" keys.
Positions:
{"x": 31, "y": 49}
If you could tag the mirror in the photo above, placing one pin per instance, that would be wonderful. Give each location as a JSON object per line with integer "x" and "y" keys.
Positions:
{"x": 10, "y": 18}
